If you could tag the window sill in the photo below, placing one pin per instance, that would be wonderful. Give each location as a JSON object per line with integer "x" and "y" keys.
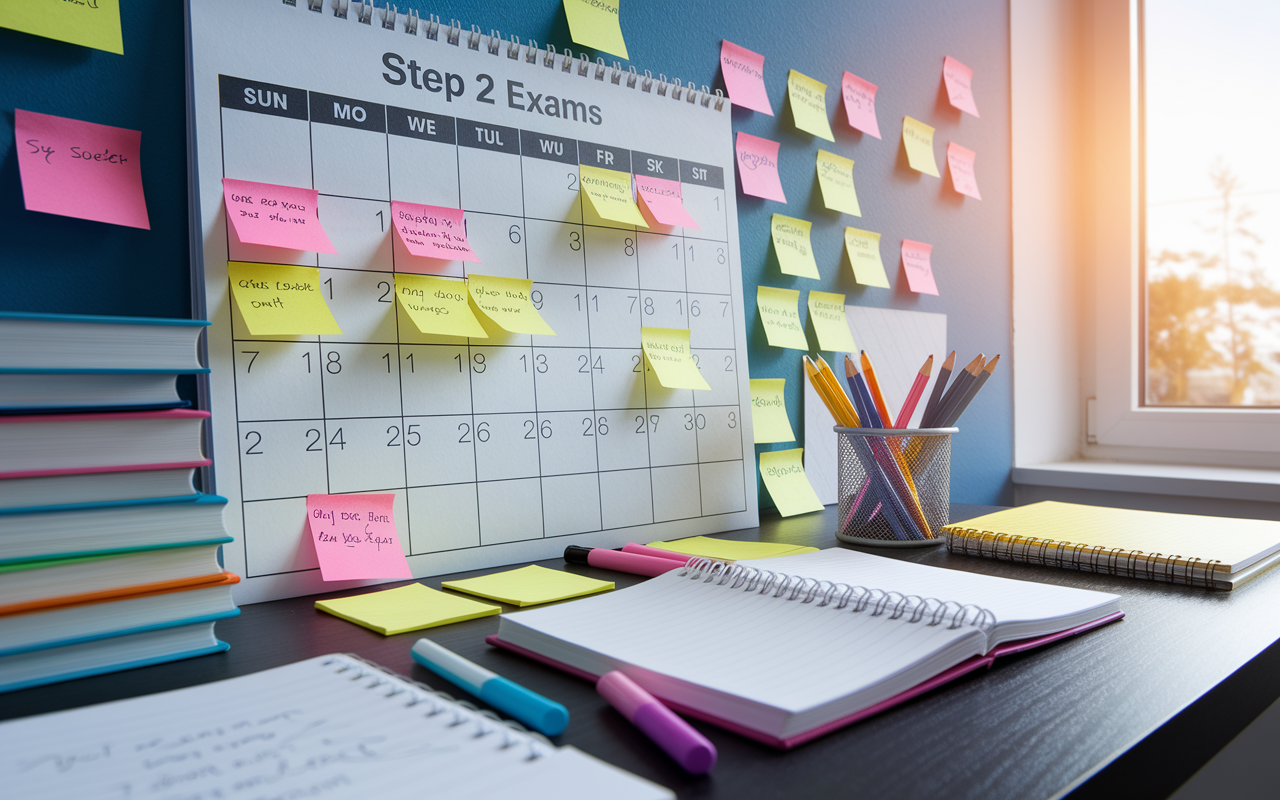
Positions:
{"x": 1225, "y": 483}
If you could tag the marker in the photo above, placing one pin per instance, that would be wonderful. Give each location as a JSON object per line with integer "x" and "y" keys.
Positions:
{"x": 677, "y": 738}
{"x": 531, "y": 708}
{"x": 657, "y": 552}
{"x": 621, "y": 562}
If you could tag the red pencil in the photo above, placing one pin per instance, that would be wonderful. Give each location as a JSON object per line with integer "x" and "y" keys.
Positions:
{"x": 913, "y": 396}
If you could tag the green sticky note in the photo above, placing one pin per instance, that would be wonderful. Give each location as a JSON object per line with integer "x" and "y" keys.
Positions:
{"x": 93, "y": 24}
{"x": 408, "y": 608}
{"x": 788, "y": 485}
{"x": 729, "y": 550}
{"x": 792, "y": 246}
{"x": 529, "y": 586}
{"x": 594, "y": 23}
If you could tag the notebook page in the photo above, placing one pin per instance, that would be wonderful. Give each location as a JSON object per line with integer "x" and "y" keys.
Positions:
{"x": 302, "y": 730}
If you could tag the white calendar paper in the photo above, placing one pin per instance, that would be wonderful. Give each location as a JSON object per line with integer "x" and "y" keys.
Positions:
{"x": 497, "y": 450}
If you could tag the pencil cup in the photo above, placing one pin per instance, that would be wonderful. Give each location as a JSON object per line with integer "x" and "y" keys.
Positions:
{"x": 895, "y": 485}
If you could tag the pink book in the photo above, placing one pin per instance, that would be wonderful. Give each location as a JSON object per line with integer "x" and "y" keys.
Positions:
{"x": 65, "y": 444}
{"x": 785, "y": 650}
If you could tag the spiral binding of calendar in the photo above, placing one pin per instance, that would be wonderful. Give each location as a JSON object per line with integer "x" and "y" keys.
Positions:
{"x": 1082, "y": 557}
{"x": 485, "y": 722}
{"x": 389, "y": 18}
{"x": 858, "y": 599}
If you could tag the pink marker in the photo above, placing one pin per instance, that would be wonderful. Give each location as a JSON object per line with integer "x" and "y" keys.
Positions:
{"x": 645, "y": 550}
{"x": 621, "y": 562}
{"x": 690, "y": 749}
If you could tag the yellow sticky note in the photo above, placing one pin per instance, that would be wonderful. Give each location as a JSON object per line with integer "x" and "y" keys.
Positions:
{"x": 667, "y": 351}
{"x": 779, "y": 311}
{"x": 92, "y": 24}
{"x": 609, "y": 192}
{"x": 792, "y": 246}
{"x": 809, "y": 105}
{"x": 826, "y": 312}
{"x": 835, "y": 178}
{"x": 529, "y": 586}
{"x": 863, "y": 248}
{"x": 506, "y": 301}
{"x": 408, "y": 608}
{"x": 783, "y": 473}
{"x": 594, "y": 23}
{"x": 769, "y": 419}
{"x": 276, "y": 300}
{"x": 918, "y": 139}
{"x": 438, "y": 305}
{"x": 729, "y": 550}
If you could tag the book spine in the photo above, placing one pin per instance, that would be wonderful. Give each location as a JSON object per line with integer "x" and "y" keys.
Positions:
{"x": 1169, "y": 568}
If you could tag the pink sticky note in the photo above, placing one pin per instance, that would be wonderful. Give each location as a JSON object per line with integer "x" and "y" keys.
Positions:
{"x": 80, "y": 169}
{"x": 432, "y": 231}
{"x": 915, "y": 260}
{"x": 275, "y": 216}
{"x": 661, "y": 202}
{"x": 743, "y": 73}
{"x": 960, "y": 160}
{"x": 959, "y": 80}
{"x": 355, "y": 537}
{"x": 758, "y": 167}
{"x": 860, "y": 104}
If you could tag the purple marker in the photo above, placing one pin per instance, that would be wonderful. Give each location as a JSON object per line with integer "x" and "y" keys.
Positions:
{"x": 677, "y": 738}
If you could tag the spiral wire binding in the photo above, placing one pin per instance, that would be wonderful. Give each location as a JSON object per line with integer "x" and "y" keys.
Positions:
{"x": 1173, "y": 568}
{"x": 486, "y": 722}
{"x": 390, "y": 16}
{"x": 909, "y": 607}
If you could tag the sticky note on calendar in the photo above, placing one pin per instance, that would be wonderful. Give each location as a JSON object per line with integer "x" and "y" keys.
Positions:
{"x": 826, "y": 312}
{"x": 784, "y": 477}
{"x": 529, "y": 586}
{"x": 781, "y": 318}
{"x": 963, "y": 178}
{"x": 595, "y": 24}
{"x": 406, "y": 608}
{"x": 79, "y": 169}
{"x": 668, "y": 354}
{"x": 508, "y": 302}
{"x": 743, "y": 73}
{"x": 661, "y": 202}
{"x": 918, "y": 139}
{"x": 355, "y": 537}
{"x": 758, "y": 167}
{"x": 93, "y": 24}
{"x": 835, "y": 179}
{"x": 279, "y": 300}
{"x": 432, "y": 231}
{"x": 438, "y": 305}
{"x": 609, "y": 193}
{"x": 863, "y": 249}
{"x": 917, "y": 262}
{"x": 275, "y": 216}
{"x": 809, "y": 105}
{"x": 959, "y": 81}
{"x": 792, "y": 245}
{"x": 769, "y": 421}
{"x": 860, "y": 104}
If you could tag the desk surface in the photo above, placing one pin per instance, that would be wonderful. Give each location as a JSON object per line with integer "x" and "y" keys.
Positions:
{"x": 1134, "y": 707}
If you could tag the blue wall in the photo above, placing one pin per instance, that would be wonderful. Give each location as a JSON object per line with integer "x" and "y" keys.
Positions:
{"x": 50, "y": 263}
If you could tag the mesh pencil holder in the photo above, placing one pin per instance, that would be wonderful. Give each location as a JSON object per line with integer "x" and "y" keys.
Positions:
{"x": 895, "y": 485}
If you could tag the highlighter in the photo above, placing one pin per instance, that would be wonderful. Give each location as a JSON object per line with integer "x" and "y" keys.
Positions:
{"x": 620, "y": 562}
{"x": 656, "y": 552}
{"x": 690, "y": 749}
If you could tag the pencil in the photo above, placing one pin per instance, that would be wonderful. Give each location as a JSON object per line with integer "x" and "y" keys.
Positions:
{"x": 861, "y": 400}
{"x": 819, "y": 386}
{"x": 833, "y": 384}
{"x": 972, "y": 392}
{"x": 951, "y": 400}
{"x": 873, "y": 388}
{"x": 939, "y": 385}
{"x": 913, "y": 396}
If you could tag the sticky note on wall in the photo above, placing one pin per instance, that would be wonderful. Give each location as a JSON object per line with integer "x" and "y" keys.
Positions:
{"x": 278, "y": 300}
{"x": 769, "y": 421}
{"x": 508, "y": 303}
{"x": 438, "y": 305}
{"x": 779, "y": 313}
{"x": 918, "y": 139}
{"x": 783, "y": 474}
{"x": 743, "y": 73}
{"x": 758, "y": 167}
{"x": 863, "y": 249}
{"x": 609, "y": 193}
{"x": 595, "y": 24}
{"x": 826, "y": 312}
{"x": 93, "y": 24}
{"x": 792, "y": 245}
{"x": 275, "y": 216}
{"x": 668, "y": 354}
{"x": 79, "y": 169}
{"x": 860, "y": 104}
{"x": 432, "y": 231}
{"x": 809, "y": 105}
{"x": 963, "y": 178}
{"x": 917, "y": 262}
{"x": 355, "y": 537}
{"x": 959, "y": 81}
{"x": 835, "y": 179}
{"x": 662, "y": 203}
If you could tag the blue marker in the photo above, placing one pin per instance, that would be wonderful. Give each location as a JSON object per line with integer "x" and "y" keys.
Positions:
{"x": 531, "y": 708}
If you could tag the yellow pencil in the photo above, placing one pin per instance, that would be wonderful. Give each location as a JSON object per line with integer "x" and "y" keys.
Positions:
{"x": 833, "y": 385}
{"x": 819, "y": 385}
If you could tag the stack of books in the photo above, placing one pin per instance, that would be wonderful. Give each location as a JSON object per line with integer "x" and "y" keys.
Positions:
{"x": 108, "y": 553}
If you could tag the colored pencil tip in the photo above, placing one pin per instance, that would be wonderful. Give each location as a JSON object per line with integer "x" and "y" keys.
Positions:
{"x": 950, "y": 363}
{"x": 849, "y": 369}
{"x": 991, "y": 365}
{"x": 975, "y": 365}
{"x": 927, "y": 369}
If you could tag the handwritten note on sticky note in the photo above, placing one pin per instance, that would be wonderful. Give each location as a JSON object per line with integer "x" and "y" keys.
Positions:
{"x": 860, "y": 104}
{"x": 809, "y": 105}
{"x": 743, "y": 73}
{"x": 835, "y": 179}
{"x": 438, "y": 305}
{"x": 94, "y": 23}
{"x": 275, "y": 216}
{"x": 661, "y": 203}
{"x": 918, "y": 139}
{"x": 355, "y": 537}
{"x": 959, "y": 81}
{"x": 863, "y": 248}
{"x": 609, "y": 193}
{"x": 758, "y": 167}
{"x": 529, "y": 586}
{"x": 779, "y": 312}
{"x": 960, "y": 160}
{"x": 277, "y": 300}
{"x": 406, "y": 608}
{"x": 783, "y": 474}
{"x": 667, "y": 351}
{"x": 792, "y": 246}
{"x": 730, "y": 549}
{"x": 79, "y": 169}
{"x": 594, "y": 23}
{"x": 769, "y": 420}
{"x": 826, "y": 312}
{"x": 916, "y": 258}
{"x": 507, "y": 301}
{"x": 432, "y": 231}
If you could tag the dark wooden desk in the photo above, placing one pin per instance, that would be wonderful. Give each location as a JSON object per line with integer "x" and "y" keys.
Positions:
{"x": 1133, "y": 708}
